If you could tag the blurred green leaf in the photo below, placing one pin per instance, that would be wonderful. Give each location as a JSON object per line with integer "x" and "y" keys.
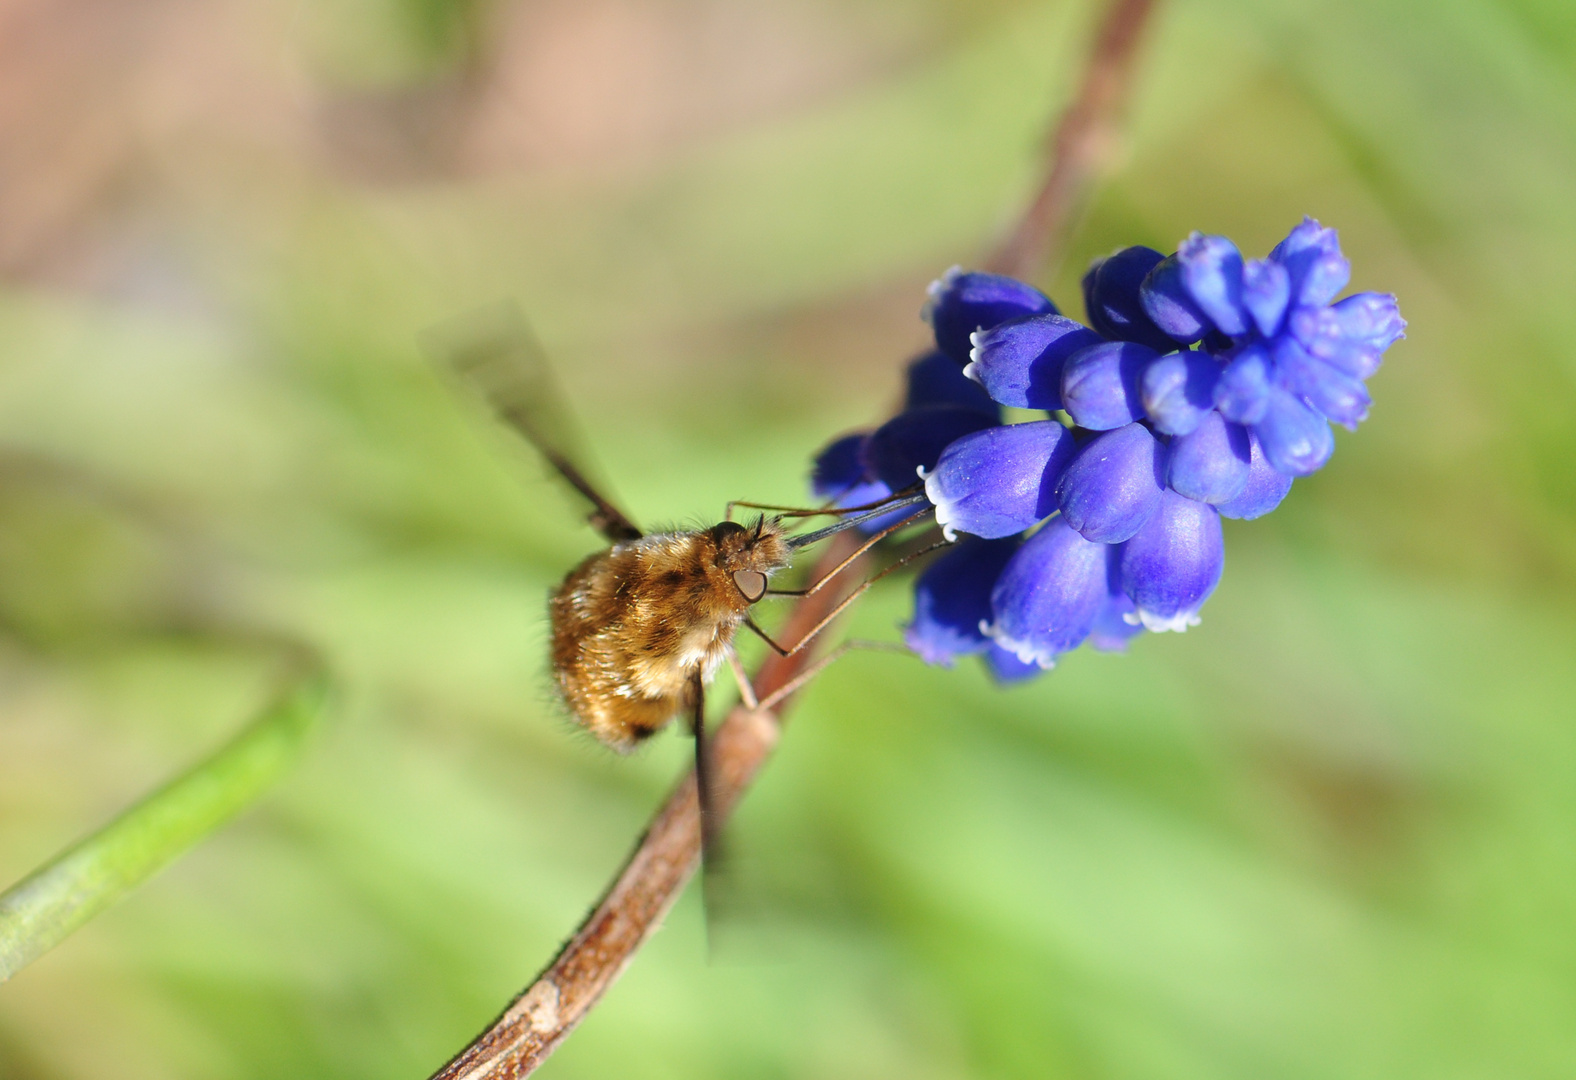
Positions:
{"x": 39, "y": 911}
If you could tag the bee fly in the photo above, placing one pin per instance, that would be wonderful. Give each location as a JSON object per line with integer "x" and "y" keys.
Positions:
{"x": 640, "y": 629}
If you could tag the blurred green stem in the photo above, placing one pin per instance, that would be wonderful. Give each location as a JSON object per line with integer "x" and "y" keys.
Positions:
{"x": 38, "y": 912}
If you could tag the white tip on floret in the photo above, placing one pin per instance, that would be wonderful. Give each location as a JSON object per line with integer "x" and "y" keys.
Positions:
{"x": 1160, "y": 624}
{"x": 1023, "y": 650}
{"x": 934, "y": 290}
{"x": 944, "y": 515}
{"x": 976, "y": 348}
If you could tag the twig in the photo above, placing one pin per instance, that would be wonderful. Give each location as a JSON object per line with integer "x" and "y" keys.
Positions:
{"x": 550, "y": 1008}
{"x": 1085, "y": 143}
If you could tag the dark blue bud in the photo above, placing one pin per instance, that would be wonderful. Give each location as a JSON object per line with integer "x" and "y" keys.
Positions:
{"x": 1005, "y": 667}
{"x": 1266, "y": 289}
{"x": 1243, "y": 392}
{"x": 1114, "y": 484}
{"x": 1334, "y": 393}
{"x": 1001, "y": 480}
{"x": 1019, "y": 362}
{"x": 1312, "y": 257}
{"x": 934, "y": 379}
{"x": 963, "y": 302}
{"x": 840, "y": 475}
{"x": 1174, "y": 562}
{"x": 1100, "y": 384}
{"x": 1166, "y": 300}
{"x": 839, "y": 466}
{"x": 1048, "y": 597}
{"x": 1353, "y": 334}
{"x": 1111, "y": 298}
{"x": 1212, "y": 274}
{"x": 1179, "y": 389}
{"x": 914, "y": 440}
{"x": 952, "y": 600}
{"x": 1296, "y": 440}
{"x": 1210, "y": 463}
{"x": 1265, "y": 489}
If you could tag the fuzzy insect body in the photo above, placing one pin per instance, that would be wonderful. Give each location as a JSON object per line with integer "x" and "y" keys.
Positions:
{"x": 637, "y": 627}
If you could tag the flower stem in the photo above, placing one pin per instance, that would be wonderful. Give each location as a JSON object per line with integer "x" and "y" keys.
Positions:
{"x": 38, "y": 912}
{"x": 1085, "y": 144}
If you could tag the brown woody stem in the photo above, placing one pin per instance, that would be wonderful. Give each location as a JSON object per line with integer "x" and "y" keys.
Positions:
{"x": 650, "y": 881}
{"x": 1085, "y": 144}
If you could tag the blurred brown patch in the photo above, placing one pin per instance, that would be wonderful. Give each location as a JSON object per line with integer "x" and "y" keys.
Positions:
{"x": 98, "y": 97}
{"x": 604, "y": 83}
{"x": 109, "y": 109}
{"x": 583, "y": 82}
{"x": 1359, "y": 816}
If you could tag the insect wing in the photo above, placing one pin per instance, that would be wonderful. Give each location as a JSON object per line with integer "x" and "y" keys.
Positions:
{"x": 494, "y": 351}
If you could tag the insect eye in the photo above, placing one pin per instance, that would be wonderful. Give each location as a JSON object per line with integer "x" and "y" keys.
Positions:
{"x": 750, "y": 583}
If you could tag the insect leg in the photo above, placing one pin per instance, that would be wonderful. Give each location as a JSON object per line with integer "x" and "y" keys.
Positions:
{"x": 798, "y": 682}
{"x": 764, "y": 636}
{"x": 746, "y": 691}
{"x": 823, "y": 511}
{"x": 705, "y": 807}
{"x": 843, "y": 604}
{"x": 702, "y": 764}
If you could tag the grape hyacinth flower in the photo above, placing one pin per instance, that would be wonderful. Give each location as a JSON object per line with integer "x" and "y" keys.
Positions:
{"x": 1202, "y": 386}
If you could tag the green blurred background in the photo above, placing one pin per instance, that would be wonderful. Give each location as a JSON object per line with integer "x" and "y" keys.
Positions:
{"x": 1329, "y": 833}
